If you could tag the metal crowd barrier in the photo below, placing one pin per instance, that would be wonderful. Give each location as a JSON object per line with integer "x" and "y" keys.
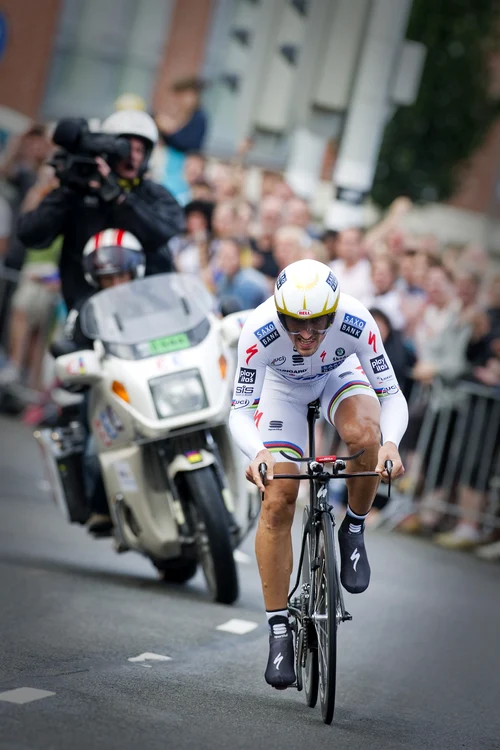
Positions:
{"x": 459, "y": 437}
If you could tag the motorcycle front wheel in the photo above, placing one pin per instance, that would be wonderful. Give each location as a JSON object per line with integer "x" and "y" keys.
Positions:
{"x": 204, "y": 506}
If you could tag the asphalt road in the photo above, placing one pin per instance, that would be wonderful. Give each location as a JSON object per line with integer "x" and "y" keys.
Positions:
{"x": 419, "y": 664}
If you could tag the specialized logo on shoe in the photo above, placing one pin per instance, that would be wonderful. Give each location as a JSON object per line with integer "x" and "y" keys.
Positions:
{"x": 355, "y": 558}
{"x": 267, "y": 334}
{"x": 352, "y": 325}
{"x": 278, "y": 660}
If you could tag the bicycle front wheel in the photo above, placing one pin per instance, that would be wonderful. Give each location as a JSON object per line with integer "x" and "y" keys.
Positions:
{"x": 307, "y": 663}
{"x": 325, "y": 609}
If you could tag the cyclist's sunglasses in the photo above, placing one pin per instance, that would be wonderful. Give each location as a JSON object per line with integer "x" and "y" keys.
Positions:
{"x": 295, "y": 327}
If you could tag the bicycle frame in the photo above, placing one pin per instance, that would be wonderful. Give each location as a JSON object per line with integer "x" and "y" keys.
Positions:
{"x": 318, "y": 504}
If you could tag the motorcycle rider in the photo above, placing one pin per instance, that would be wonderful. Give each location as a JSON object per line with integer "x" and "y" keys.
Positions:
{"x": 110, "y": 258}
{"x": 121, "y": 197}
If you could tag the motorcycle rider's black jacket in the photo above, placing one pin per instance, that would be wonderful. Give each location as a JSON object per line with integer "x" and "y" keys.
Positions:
{"x": 147, "y": 210}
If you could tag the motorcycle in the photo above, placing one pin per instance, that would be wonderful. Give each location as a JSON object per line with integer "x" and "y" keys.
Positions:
{"x": 158, "y": 406}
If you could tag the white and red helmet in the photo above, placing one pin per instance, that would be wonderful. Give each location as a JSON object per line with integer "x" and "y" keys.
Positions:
{"x": 111, "y": 252}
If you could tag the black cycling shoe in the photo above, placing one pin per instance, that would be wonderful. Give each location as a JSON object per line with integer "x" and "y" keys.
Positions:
{"x": 354, "y": 568}
{"x": 280, "y": 671}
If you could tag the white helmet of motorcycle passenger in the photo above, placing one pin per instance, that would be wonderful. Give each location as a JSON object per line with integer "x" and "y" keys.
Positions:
{"x": 111, "y": 252}
{"x": 305, "y": 290}
{"x": 133, "y": 123}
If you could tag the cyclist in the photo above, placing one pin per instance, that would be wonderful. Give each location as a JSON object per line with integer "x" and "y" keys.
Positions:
{"x": 310, "y": 341}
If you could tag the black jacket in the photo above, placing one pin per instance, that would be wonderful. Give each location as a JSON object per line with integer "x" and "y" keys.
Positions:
{"x": 149, "y": 211}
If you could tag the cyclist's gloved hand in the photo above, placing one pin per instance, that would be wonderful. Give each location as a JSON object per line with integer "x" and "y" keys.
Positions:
{"x": 389, "y": 451}
{"x": 252, "y": 472}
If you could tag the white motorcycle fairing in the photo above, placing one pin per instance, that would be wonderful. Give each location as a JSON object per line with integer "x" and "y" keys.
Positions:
{"x": 158, "y": 408}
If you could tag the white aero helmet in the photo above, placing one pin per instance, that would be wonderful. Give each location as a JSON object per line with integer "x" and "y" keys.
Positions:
{"x": 306, "y": 289}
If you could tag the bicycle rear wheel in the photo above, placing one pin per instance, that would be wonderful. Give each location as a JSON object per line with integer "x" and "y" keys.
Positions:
{"x": 325, "y": 608}
{"x": 308, "y": 652}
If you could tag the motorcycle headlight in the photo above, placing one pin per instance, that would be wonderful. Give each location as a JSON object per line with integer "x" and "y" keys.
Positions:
{"x": 179, "y": 393}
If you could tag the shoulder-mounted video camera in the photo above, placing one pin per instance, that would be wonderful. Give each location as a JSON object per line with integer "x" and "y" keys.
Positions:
{"x": 75, "y": 165}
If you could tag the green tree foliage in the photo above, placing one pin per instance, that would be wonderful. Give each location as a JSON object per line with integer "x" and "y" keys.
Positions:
{"x": 425, "y": 144}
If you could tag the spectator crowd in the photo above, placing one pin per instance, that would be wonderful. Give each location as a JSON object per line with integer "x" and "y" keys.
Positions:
{"x": 437, "y": 307}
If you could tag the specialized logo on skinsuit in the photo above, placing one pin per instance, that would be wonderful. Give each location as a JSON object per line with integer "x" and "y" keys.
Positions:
{"x": 281, "y": 280}
{"x": 251, "y": 351}
{"x": 322, "y": 355}
{"x": 247, "y": 376}
{"x": 257, "y": 417}
{"x": 372, "y": 341}
{"x": 277, "y": 361}
{"x": 267, "y": 334}
{"x": 379, "y": 364}
{"x": 352, "y": 325}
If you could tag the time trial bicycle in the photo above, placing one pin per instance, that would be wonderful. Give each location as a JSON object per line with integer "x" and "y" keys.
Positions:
{"x": 316, "y": 603}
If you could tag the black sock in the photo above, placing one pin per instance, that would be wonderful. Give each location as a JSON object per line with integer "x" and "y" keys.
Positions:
{"x": 353, "y": 523}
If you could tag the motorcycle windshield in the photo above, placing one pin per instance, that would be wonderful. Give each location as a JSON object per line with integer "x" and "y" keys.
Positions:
{"x": 155, "y": 315}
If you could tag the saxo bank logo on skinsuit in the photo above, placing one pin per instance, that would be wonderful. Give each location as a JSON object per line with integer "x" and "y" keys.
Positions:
{"x": 267, "y": 334}
{"x": 352, "y": 325}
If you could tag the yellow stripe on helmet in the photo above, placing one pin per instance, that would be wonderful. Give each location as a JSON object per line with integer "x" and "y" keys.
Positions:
{"x": 325, "y": 311}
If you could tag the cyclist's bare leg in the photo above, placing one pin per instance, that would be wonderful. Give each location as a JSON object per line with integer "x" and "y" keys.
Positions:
{"x": 357, "y": 420}
{"x": 273, "y": 542}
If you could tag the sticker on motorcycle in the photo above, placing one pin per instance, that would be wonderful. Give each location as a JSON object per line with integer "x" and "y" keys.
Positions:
{"x": 168, "y": 344}
{"x": 194, "y": 457}
{"x": 76, "y": 366}
{"x": 125, "y": 477}
{"x": 103, "y": 435}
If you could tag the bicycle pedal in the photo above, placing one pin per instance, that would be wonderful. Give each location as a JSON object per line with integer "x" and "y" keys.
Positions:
{"x": 346, "y": 616}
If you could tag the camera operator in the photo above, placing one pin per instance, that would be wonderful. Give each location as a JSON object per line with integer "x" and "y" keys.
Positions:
{"x": 102, "y": 185}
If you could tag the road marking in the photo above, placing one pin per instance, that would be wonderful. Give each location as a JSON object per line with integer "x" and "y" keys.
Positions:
{"x": 147, "y": 656}
{"x": 240, "y": 627}
{"x": 24, "y": 695}
{"x": 241, "y": 557}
